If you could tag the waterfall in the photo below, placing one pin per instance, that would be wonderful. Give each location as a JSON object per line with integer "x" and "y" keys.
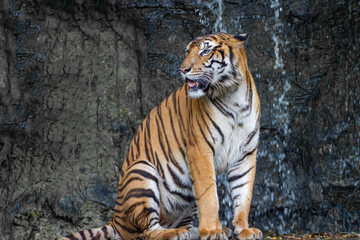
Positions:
{"x": 213, "y": 8}
{"x": 276, "y": 31}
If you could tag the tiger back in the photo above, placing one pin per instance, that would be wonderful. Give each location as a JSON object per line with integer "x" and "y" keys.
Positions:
{"x": 209, "y": 125}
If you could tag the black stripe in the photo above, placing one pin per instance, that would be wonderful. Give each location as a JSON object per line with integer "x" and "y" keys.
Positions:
{"x": 136, "y": 141}
{"x": 222, "y": 54}
{"x": 152, "y": 153}
{"x": 238, "y": 186}
{"x": 132, "y": 153}
{"x": 160, "y": 139}
{"x": 127, "y": 160}
{"x": 174, "y": 100}
{"x": 251, "y": 136}
{"x": 231, "y": 55}
{"x": 222, "y": 64}
{"x": 235, "y": 197}
{"x": 133, "y": 206}
{"x": 187, "y": 198}
{"x": 203, "y": 134}
{"x": 224, "y": 78}
{"x": 238, "y": 162}
{"x": 144, "y": 174}
{"x": 181, "y": 122}
{"x": 237, "y": 177}
{"x": 148, "y": 128}
{"x": 216, "y": 126}
{"x": 170, "y": 155}
{"x": 128, "y": 181}
{"x": 104, "y": 229}
{"x": 225, "y": 107}
{"x": 186, "y": 221}
{"x": 249, "y": 93}
{"x": 141, "y": 193}
{"x": 151, "y": 210}
{"x": 129, "y": 230}
{"x": 174, "y": 132}
{"x": 177, "y": 180}
{"x": 147, "y": 211}
{"x": 247, "y": 107}
{"x": 142, "y": 219}
{"x": 254, "y": 132}
{"x": 247, "y": 154}
{"x": 207, "y": 127}
{"x": 91, "y": 233}
{"x": 82, "y": 234}
{"x": 154, "y": 223}
{"x": 208, "y": 66}
{"x": 178, "y": 105}
{"x": 143, "y": 162}
{"x": 182, "y": 132}
{"x": 118, "y": 211}
{"x": 159, "y": 167}
{"x": 219, "y": 46}
{"x": 72, "y": 237}
{"x": 146, "y": 148}
{"x": 250, "y": 88}
{"x": 221, "y": 109}
{"x": 212, "y": 54}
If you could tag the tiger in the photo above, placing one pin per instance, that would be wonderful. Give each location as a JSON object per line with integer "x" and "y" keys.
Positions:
{"x": 209, "y": 125}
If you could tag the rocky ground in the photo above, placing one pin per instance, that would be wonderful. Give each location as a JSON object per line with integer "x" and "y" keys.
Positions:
{"x": 317, "y": 236}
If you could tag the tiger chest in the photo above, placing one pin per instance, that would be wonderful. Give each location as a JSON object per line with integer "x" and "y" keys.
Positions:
{"x": 238, "y": 137}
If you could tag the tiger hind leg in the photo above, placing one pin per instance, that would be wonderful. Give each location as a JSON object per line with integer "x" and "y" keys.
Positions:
{"x": 168, "y": 234}
{"x": 138, "y": 209}
{"x": 187, "y": 222}
{"x": 175, "y": 226}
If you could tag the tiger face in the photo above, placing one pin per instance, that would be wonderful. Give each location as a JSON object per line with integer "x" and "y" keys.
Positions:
{"x": 211, "y": 64}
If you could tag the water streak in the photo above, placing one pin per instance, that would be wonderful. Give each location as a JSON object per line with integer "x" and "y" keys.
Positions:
{"x": 216, "y": 7}
{"x": 276, "y": 31}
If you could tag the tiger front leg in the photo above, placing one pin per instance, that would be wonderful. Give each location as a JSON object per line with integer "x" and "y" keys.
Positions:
{"x": 204, "y": 184}
{"x": 241, "y": 178}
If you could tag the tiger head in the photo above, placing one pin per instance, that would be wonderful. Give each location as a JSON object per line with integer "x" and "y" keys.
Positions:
{"x": 214, "y": 64}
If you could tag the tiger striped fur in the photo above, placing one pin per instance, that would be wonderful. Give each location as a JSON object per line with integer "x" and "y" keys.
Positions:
{"x": 209, "y": 125}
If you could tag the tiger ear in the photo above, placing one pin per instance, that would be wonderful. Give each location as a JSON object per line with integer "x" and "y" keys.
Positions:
{"x": 241, "y": 37}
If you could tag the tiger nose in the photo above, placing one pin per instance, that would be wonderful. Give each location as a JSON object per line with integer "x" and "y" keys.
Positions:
{"x": 185, "y": 70}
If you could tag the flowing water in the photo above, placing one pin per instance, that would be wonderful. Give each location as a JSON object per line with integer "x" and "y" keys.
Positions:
{"x": 214, "y": 8}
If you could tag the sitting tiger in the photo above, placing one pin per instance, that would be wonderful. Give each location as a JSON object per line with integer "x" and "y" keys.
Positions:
{"x": 209, "y": 125}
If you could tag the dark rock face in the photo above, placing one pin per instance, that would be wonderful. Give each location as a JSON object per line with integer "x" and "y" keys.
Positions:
{"x": 77, "y": 77}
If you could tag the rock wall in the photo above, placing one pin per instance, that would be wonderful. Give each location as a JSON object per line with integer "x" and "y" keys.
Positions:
{"x": 77, "y": 78}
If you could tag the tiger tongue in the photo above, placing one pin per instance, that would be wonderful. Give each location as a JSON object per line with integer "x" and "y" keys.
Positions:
{"x": 191, "y": 84}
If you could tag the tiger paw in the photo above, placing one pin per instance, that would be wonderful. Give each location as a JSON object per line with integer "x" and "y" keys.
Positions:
{"x": 168, "y": 234}
{"x": 218, "y": 234}
{"x": 248, "y": 234}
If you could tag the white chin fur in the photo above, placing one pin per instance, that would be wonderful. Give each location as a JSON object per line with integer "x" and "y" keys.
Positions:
{"x": 196, "y": 93}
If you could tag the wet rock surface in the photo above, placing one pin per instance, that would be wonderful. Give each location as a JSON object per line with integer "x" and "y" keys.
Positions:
{"x": 77, "y": 77}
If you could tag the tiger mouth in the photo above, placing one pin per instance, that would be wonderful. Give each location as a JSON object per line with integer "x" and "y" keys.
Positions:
{"x": 198, "y": 85}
